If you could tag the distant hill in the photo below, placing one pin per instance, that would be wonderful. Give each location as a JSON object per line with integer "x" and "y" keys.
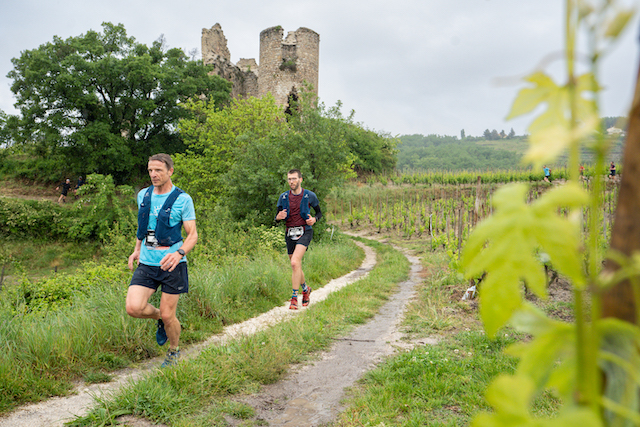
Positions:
{"x": 438, "y": 152}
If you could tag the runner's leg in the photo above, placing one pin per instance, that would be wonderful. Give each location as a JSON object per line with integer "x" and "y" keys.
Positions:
{"x": 138, "y": 303}
{"x": 297, "y": 275}
{"x": 168, "y": 306}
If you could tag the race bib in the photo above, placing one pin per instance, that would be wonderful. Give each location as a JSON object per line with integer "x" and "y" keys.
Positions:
{"x": 151, "y": 240}
{"x": 294, "y": 233}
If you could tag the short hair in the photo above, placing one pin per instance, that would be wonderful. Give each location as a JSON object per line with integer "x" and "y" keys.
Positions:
{"x": 164, "y": 158}
{"x": 292, "y": 171}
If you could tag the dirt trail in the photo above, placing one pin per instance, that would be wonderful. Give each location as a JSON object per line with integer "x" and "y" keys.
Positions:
{"x": 54, "y": 412}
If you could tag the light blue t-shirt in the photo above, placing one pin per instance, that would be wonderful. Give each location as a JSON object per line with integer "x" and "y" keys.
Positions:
{"x": 182, "y": 210}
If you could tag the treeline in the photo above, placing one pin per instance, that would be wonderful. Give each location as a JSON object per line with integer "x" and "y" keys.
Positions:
{"x": 617, "y": 122}
{"x": 102, "y": 103}
{"x": 436, "y": 152}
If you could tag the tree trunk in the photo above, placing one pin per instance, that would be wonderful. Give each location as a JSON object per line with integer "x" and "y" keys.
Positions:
{"x": 618, "y": 301}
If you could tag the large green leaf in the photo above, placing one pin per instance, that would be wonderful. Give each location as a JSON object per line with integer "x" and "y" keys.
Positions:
{"x": 510, "y": 397}
{"x": 563, "y": 121}
{"x": 505, "y": 246}
{"x": 552, "y": 339}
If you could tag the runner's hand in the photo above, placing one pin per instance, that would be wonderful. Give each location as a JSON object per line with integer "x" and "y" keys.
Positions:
{"x": 170, "y": 261}
{"x": 135, "y": 256}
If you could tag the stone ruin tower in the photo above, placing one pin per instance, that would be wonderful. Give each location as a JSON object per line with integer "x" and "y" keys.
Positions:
{"x": 285, "y": 63}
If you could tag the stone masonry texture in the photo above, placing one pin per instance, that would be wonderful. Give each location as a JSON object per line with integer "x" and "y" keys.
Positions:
{"x": 286, "y": 64}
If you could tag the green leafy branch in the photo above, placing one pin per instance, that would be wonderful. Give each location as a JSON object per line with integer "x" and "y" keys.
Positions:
{"x": 570, "y": 358}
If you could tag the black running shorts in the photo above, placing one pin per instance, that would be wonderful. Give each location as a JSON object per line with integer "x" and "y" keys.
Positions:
{"x": 304, "y": 240}
{"x": 174, "y": 282}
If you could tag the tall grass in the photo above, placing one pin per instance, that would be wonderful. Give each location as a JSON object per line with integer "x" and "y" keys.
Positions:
{"x": 44, "y": 352}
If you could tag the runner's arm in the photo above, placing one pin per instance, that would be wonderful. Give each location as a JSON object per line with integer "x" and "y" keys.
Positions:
{"x": 171, "y": 260}
{"x": 318, "y": 214}
{"x": 135, "y": 256}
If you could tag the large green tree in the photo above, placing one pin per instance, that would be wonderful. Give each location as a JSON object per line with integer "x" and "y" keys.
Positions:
{"x": 214, "y": 138}
{"x": 239, "y": 157}
{"x": 102, "y": 102}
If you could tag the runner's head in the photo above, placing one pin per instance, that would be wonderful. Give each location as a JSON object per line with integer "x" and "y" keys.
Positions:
{"x": 294, "y": 178}
{"x": 164, "y": 158}
{"x": 160, "y": 169}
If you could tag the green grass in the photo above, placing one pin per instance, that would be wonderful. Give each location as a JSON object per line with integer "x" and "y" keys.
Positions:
{"x": 40, "y": 259}
{"x": 45, "y": 351}
{"x": 431, "y": 385}
{"x": 441, "y": 384}
{"x": 194, "y": 393}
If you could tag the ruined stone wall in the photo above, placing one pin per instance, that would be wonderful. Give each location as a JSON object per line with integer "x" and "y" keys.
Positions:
{"x": 214, "y": 45}
{"x": 285, "y": 65}
{"x": 215, "y": 52}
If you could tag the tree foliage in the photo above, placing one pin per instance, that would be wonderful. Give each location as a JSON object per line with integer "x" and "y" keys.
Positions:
{"x": 240, "y": 156}
{"x": 618, "y": 122}
{"x": 102, "y": 207}
{"x": 216, "y": 137}
{"x": 102, "y": 102}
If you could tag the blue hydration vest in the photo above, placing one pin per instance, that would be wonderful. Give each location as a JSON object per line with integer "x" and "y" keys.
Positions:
{"x": 309, "y": 199}
{"x": 166, "y": 235}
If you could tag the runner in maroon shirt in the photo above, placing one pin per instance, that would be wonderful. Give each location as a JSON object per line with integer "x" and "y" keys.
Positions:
{"x": 294, "y": 207}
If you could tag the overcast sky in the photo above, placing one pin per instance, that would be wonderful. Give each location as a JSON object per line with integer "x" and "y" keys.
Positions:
{"x": 404, "y": 66}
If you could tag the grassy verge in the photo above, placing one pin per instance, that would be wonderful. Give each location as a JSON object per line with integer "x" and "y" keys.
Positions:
{"x": 88, "y": 334}
{"x": 40, "y": 259}
{"x": 196, "y": 392}
{"x": 441, "y": 384}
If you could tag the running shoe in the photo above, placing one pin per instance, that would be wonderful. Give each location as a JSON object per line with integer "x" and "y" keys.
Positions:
{"x": 305, "y": 296}
{"x": 161, "y": 334}
{"x": 171, "y": 359}
{"x": 294, "y": 303}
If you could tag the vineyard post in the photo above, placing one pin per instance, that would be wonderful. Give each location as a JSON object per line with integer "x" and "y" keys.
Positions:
{"x": 478, "y": 202}
{"x": 430, "y": 226}
{"x": 460, "y": 227}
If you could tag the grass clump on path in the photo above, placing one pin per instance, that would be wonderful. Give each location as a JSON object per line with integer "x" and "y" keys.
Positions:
{"x": 194, "y": 393}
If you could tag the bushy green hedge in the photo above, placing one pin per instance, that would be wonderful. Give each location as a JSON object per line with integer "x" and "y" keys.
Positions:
{"x": 30, "y": 218}
{"x": 51, "y": 294}
{"x": 102, "y": 206}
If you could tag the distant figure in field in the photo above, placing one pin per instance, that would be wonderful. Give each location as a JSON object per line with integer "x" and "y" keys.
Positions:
{"x": 65, "y": 186}
{"x": 547, "y": 174}
{"x": 581, "y": 172}
{"x": 79, "y": 184}
{"x": 612, "y": 171}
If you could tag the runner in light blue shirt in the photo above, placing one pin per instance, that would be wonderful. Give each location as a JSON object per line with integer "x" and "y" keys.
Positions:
{"x": 160, "y": 252}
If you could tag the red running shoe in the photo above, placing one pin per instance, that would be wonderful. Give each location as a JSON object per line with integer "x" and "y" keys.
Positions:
{"x": 305, "y": 297}
{"x": 294, "y": 304}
